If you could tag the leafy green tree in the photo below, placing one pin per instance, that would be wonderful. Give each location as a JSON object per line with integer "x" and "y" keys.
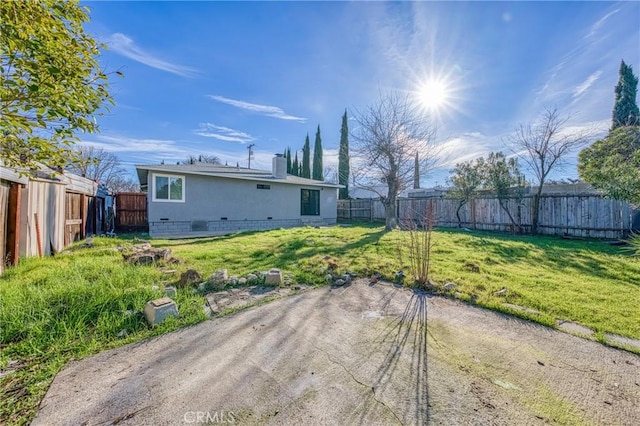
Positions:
{"x": 612, "y": 164}
{"x": 503, "y": 177}
{"x": 306, "y": 159}
{"x": 465, "y": 181}
{"x": 343, "y": 159}
{"x": 317, "y": 157}
{"x": 288, "y": 155}
{"x": 51, "y": 86}
{"x": 295, "y": 168}
{"x": 625, "y": 109}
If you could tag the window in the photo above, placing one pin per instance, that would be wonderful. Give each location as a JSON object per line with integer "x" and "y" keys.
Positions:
{"x": 261, "y": 186}
{"x": 310, "y": 202}
{"x": 168, "y": 188}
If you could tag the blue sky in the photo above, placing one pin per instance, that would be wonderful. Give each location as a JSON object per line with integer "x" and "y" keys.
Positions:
{"x": 213, "y": 77}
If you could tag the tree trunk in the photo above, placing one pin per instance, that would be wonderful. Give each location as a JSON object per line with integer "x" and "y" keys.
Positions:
{"x": 462, "y": 203}
{"x": 391, "y": 220}
{"x": 535, "y": 214}
{"x": 516, "y": 227}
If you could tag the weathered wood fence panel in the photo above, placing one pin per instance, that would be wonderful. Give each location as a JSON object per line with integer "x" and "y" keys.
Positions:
{"x": 573, "y": 215}
{"x": 75, "y": 207}
{"x": 131, "y": 211}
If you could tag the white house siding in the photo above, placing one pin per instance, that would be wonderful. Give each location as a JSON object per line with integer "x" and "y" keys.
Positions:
{"x": 207, "y": 200}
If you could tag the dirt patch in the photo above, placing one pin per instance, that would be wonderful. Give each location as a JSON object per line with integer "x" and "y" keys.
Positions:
{"x": 362, "y": 354}
{"x": 239, "y": 297}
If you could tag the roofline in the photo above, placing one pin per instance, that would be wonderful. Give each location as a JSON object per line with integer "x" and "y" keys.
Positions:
{"x": 270, "y": 179}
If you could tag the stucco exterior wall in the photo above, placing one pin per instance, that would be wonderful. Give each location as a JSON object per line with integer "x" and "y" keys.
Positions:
{"x": 218, "y": 205}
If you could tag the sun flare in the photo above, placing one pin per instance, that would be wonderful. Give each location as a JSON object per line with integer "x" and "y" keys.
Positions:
{"x": 433, "y": 94}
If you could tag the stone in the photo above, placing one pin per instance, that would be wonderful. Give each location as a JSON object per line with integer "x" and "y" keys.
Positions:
{"x": 449, "y": 286}
{"x": 233, "y": 280}
{"x": 155, "y": 287}
{"x": 273, "y": 278}
{"x": 122, "y": 333}
{"x": 170, "y": 291}
{"x": 156, "y": 311}
{"x": 144, "y": 254}
{"x": 219, "y": 277}
{"x": 473, "y": 298}
{"x": 242, "y": 281}
{"x": 501, "y": 292}
{"x": 297, "y": 287}
{"x": 339, "y": 283}
{"x": 374, "y": 278}
{"x": 457, "y": 295}
{"x": 472, "y": 267}
{"x": 189, "y": 277}
{"x": 252, "y": 278}
{"x": 346, "y": 278}
{"x": 328, "y": 277}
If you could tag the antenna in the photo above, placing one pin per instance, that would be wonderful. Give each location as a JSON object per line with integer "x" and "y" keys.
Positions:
{"x": 249, "y": 147}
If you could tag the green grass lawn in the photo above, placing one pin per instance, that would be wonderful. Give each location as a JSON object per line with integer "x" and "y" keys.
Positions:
{"x": 76, "y": 304}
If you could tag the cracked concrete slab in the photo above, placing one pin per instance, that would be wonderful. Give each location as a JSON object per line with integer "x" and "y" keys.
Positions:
{"x": 370, "y": 355}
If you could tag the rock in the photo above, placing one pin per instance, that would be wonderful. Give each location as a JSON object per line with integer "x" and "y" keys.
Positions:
{"x": 296, "y": 287}
{"x": 219, "y": 277}
{"x": 449, "y": 286}
{"x": 472, "y": 267}
{"x": 122, "y": 333}
{"x": 473, "y": 298}
{"x": 501, "y": 292}
{"x": 400, "y": 276}
{"x": 242, "y": 281}
{"x": 273, "y": 278}
{"x": 155, "y": 287}
{"x": 339, "y": 282}
{"x": 252, "y": 278}
{"x": 170, "y": 291}
{"x": 457, "y": 295}
{"x": 189, "y": 277}
{"x": 233, "y": 280}
{"x": 156, "y": 311}
{"x": 328, "y": 277}
{"x": 144, "y": 254}
{"x": 374, "y": 278}
{"x": 346, "y": 278}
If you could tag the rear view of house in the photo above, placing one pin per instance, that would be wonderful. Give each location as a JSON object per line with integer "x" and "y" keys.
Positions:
{"x": 204, "y": 199}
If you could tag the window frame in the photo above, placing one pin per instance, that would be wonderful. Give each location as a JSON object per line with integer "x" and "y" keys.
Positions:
{"x": 302, "y": 205}
{"x": 169, "y": 177}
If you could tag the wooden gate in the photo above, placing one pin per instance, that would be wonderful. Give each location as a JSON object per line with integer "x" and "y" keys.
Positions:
{"x": 74, "y": 224}
{"x": 131, "y": 211}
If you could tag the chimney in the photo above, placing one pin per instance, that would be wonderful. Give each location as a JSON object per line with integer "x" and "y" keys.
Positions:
{"x": 279, "y": 166}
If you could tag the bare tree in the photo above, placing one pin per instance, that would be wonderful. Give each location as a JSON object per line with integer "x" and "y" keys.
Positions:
{"x": 97, "y": 164}
{"x": 121, "y": 183}
{"x": 543, "y": 146}
{"x": 202, "y": 158}
{"x": 389, "y": 135}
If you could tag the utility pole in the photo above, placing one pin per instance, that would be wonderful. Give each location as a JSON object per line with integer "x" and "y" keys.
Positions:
{"x": 249, "y": 147}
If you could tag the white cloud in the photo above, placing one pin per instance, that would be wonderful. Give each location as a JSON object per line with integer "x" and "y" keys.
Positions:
{"x": 268, "y": 110}
{"x": 582, "y": 87}
{"x": 125, "y": 46}
{"x": 598, "y": 24}
{"x": 142, "y": 150}
{"x": 210, "y": 130}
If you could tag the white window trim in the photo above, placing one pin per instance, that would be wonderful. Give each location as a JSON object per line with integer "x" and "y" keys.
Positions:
{"x": 162, "y": 200}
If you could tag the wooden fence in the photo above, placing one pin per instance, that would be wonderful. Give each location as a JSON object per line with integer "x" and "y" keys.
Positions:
{"x": 131, "y": 211}
{"x": 572, "y": 215}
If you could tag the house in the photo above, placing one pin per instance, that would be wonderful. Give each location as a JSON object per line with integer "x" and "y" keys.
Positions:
{"x": 204, "y": 199}
{"x": 43, "y": 211}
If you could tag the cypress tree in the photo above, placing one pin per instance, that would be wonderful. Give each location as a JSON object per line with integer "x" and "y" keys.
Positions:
{"x": 295, "y": 169}
{"x": 625, "y": 109}
{"x": 288, "y": 155}
{"x": 317, "y": 157}
{"x": 343, "y": 158}
{"x": 416, "y": 173}
{"x": 306, "y": 159}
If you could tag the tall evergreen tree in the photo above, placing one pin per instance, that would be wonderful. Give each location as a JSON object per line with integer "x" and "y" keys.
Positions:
{"x": 288, "y": 155}
{"x": 343, "y": 158}
{"x": 317, "y": 157}
{"x": 306, "y": 159}
{"x": 416, "y": 173}
{"x": 625, "y": 109}
{"x": 295, "y": 169}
